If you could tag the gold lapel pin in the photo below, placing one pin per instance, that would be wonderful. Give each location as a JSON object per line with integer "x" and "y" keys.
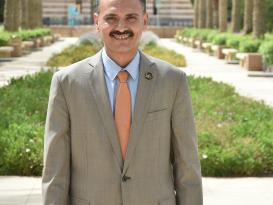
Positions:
{"x": 148, "y": 76}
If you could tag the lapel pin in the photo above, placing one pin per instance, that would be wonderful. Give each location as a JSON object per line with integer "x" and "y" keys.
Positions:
{"x": 148, "y": 76}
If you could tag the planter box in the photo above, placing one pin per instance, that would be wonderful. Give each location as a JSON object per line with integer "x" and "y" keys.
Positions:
{"x": 254, "y": 62}
{"x": 16, "y": 43}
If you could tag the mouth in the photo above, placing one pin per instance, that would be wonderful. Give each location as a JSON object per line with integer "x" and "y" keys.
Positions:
{"x": 121, "y": 36}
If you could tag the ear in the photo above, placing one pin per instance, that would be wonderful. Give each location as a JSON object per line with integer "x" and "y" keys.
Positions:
{"x": 146, "y": 21}
{"x": 96, "y": 21}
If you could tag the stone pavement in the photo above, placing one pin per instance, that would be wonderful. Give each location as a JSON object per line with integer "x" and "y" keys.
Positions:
{"x": 31, "y": 63}
{"x": 217, "y": 191}
{"x": 201, "y": 64}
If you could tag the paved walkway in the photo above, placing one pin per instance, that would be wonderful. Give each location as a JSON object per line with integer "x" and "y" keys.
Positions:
{"x": 32, "y": 62}
{"x": 221, "y": 191}
{"x": 201, "y": 64}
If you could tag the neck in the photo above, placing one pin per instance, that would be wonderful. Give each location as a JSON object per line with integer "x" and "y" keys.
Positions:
{"x": 121, "y": 58}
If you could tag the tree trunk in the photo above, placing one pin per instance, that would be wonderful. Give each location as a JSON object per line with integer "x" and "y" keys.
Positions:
{"x": 35, "y": 14}
{"x": 236, "y": 17}
{"x": 258, "y": 18}
{"x": 223, "y": 15}
{"x": 25, "y": 11}
{"x": 209, "y": 19}
{"x": 196, "y": 13}
{"x": 248, "y": 19}
{"x": 202, "y": 14}
{"x": 12, "y": 15}
{"x": 215, "y": 6}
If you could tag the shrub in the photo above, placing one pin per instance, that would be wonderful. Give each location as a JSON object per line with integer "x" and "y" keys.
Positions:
{"x": 266, "y": 49}
{"x": 75, "y": 53}
{"x": 234, "y": 41}
{"x": 71, "y": 55}
{"x": 249, "y": 46}
{"x": 221, "y": 39}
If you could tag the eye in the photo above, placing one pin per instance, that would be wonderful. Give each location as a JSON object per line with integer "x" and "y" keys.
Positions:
{"x": 131, "y": 19}
{"x": 110, "y": 19}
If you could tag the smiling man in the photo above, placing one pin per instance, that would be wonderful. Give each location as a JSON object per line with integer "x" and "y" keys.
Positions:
{"x": 119, "y": 127}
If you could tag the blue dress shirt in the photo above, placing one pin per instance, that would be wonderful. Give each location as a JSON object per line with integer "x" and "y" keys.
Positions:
{"x": 111, "y": 70}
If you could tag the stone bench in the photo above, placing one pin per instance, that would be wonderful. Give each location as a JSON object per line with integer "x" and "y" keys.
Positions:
{"x": 207, "y": 47}
{"x": 6, "y": 51}
{"x": 241, "y": 57}
{"x": 56, "y": 36}
{"x": 27, "y": 45}
{"x": 198, "y": 44}
{"x": 218, "y": 51}
{"x": 230, "y": 54}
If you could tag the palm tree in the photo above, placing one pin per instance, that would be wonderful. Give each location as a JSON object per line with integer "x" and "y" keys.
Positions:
{"x": 215, "y": 6}
{"x": 12, "y": 15}
{"x": 209, "y": 19}
{"x": 223, "y": 15}
{"x": 236, "y": 17}
{"x": 258, "y": 18}
{"x": 202, "y": 14}
{"x": 196, "y": 13}
{"x": 34, "y": 8}
{"x": 25, "y": 11}
{"x": 248, "y": 12}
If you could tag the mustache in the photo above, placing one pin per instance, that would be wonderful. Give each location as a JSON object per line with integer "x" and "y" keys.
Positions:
{"x": 130, "y": 33}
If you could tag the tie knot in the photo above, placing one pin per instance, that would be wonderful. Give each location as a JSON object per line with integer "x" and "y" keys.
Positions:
{"x": 123, "y": 76}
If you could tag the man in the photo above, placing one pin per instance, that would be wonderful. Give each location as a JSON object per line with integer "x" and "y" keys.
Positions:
{"x": 119, "y": 126}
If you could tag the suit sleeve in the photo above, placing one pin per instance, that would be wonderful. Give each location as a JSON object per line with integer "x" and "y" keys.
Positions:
{"x": 184, "y": 149}
{"x": 56, "y": 171}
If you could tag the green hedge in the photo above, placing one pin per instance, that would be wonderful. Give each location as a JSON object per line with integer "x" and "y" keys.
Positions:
{"x": 74, "y": 53}
{"x": 5, "y": 36}
{"x": 243, "y": 43}
{"x": 234, "y": 133}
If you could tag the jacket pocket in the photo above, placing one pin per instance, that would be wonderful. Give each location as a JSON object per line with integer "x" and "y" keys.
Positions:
{"x": 168, "y": 201}
{"x": 156, "y": 114}
{"x": 78, "y": 201}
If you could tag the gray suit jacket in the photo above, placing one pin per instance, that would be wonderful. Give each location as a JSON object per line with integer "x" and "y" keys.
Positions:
{"x": 82, "y": 157}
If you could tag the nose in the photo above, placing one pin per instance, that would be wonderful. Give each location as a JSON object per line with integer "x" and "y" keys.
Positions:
{"x": 121, "y": 25}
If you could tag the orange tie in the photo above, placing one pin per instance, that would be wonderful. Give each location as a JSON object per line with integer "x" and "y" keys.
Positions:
{"x": 123, "y": 111}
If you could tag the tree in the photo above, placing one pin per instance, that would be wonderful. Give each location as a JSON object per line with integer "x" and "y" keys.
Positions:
{"x": 209, "y": 19}
{"x": 202, "y": 14}
{"x": 236, "y": 17}
{"x": 34, "y": 14}
{"x": 196, "y": 13}
{"x": 259, "y": 26}
{"x": 248, "y": 19}
{"x": 215, "y": 6}
{"x": 223, "y": 15}
{"x": 12, "y": 15}
{"x": 25, "y": 11}
{"x": 2, "y": 3}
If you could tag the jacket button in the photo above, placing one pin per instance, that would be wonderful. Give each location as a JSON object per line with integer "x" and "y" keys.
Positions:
{"x": 125, "y": 178}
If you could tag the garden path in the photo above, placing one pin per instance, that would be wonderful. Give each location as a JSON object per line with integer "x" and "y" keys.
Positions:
{"x": 31, "y": 63}
{"x": 201, "y": 64}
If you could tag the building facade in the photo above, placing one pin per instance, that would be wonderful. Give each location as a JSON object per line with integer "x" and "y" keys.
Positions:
{"x": 79, "y": 12}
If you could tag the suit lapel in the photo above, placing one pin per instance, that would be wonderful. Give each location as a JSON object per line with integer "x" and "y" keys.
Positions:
{"x": 145, "y": 86}
{"x": 100, "y": 93}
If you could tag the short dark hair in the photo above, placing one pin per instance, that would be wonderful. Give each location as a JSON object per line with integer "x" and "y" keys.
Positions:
{"x": 143, "y": 3}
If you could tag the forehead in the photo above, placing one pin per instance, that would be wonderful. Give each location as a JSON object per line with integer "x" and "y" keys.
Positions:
{"x": 120, "y": 6}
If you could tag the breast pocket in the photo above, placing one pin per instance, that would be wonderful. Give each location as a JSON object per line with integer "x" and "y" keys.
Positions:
{"x": 157, "y": 114}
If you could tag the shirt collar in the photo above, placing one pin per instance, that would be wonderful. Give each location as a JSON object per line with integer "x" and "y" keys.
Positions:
{"x": 111, "y": 68}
